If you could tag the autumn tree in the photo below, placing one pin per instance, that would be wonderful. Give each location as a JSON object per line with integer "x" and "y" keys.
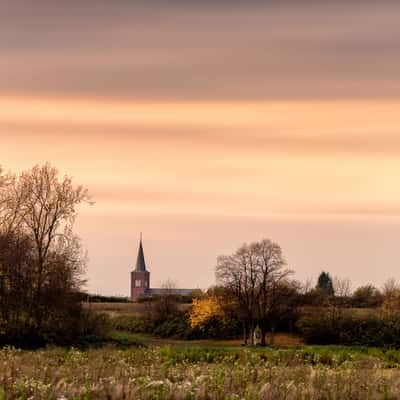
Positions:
{"x": 203, "y": 310}
{"x": 37, "y": 213}
{"x": 206, "y": 313}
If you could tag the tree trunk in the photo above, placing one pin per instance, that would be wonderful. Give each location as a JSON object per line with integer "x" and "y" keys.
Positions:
{"x": 244, "y": 332}
{"x": 272, "y": 340}
{"x": 252, "y": 332}
{"x": 263, "y": 334}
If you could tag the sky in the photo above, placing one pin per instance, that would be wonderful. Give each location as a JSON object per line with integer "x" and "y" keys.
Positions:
{"x": 205, "y": 125}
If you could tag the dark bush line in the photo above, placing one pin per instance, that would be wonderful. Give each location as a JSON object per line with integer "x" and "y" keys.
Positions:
{"x": 97, "y": 298}
{"x": 86, "y": 327}
{"x": 350, "y": 330}
{"x": 176, "y": 298}
{"x": 175, "y": 326}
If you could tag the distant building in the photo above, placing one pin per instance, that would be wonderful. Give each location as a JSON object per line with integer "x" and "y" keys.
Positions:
{"x": 140, "y": 281}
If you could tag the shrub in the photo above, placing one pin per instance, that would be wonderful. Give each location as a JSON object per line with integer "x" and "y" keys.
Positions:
{"x": 366, "y": 297}
{"x": 133, "y": 324}
{"x": 95, "y": 324}
{"x": 350, "y": 330}
{"x": 97, "y": 298}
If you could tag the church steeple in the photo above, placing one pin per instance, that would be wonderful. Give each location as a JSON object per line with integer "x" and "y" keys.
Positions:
{"x": 140, "y": 277}
{"x": 140, "y": 262}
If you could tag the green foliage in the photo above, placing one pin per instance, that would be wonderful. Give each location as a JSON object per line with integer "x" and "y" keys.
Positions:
{"x": 133, "y": 324}
{"x": 95, "y": 324}
{"x": 97, "y": 298}
{"x": 175, "y": 326}
{"x": 367, "y": 297}
{"x": 345, "y": 329}
{"x": 217, "y": 328}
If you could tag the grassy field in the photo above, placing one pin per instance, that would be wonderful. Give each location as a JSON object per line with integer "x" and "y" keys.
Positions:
{"x": 200, "y": 370}
{"x": 281, "y": 339}
{"x": 130, "y": 309}
{"x": 139, "y": 366}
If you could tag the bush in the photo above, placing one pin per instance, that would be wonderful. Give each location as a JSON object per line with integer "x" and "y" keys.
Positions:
{"x": 366, "y": 297}
{"x": 133, "y": 324}
{"x": 163, "y": 318}
{"x": 97, "y": 298}
{"x": 318, "y": 329}
{"x": 175, "y": 326}
{"x": 350, "y": 330}
{"x": 95, "y": 324}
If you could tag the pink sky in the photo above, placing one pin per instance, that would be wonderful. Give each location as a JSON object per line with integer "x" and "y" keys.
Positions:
{"x": 209, "y": 126}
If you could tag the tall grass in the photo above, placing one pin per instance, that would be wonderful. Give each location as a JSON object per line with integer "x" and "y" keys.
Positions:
{"x": 189, "y": 373}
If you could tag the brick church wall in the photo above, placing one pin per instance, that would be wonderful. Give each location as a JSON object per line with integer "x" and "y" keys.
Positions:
{"x": 140, "y": 283}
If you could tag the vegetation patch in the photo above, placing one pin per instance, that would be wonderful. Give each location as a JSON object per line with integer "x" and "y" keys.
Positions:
{"x": 200, "y": 372}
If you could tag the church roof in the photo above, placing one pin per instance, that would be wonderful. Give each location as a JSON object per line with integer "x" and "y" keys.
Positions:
{"x": 140, "y": 262}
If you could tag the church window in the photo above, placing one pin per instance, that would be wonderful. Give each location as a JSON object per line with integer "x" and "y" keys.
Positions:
{"x": 138, "y": 283}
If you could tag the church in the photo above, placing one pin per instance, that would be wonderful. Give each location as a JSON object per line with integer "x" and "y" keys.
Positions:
{"x": 140, "y": 281}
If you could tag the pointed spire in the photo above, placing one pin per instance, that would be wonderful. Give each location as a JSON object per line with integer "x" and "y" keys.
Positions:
{"x": 140, "y": 263}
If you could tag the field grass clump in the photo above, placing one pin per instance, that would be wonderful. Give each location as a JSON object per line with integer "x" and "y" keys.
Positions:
{"x": 200, "y": 373}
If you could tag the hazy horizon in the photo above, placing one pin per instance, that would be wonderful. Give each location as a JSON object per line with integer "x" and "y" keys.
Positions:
{"x": 209, "y": 125}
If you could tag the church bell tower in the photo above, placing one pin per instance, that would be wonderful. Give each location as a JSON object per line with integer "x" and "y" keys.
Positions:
{"x": 140, "y": 277}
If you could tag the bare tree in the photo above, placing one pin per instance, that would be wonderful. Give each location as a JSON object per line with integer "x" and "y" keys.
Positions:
{"x": 340, "y": 299}
{"x": 169, "y": 286}
{"x": 238, "y": 274}
{"x": 390, "y": 287}
{"x": 390, "y": 308}
{"x": 271, "y": 275}
{"x": 10, "y": 201}
{"x": 252, "y": 274}
{"x": 307, "y": 286}
{"x": 342, "y": 287}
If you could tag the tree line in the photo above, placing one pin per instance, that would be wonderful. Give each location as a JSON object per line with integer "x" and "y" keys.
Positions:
{"x": 256, "y": 288}
{"x": 42, "y": 266}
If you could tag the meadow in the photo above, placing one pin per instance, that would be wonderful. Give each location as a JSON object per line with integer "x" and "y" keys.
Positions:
{"x": 201, "y": 372}
{"x": 126, "y": 309}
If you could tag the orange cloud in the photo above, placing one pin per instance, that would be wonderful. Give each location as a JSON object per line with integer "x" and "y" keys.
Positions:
{"x": 258, "y": 158}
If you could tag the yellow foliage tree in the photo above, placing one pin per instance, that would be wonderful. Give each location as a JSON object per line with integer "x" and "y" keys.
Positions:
{"x": 203, "y": 310}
